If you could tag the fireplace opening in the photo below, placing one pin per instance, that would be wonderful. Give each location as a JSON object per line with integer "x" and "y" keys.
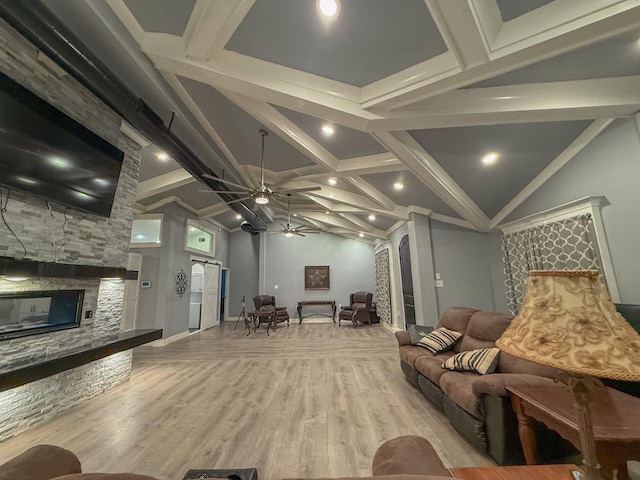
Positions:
{"x": 35, "y": 312}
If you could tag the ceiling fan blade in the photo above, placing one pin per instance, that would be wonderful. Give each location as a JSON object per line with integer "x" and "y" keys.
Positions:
{"x": 242, "y": 199}
{"x": 227, "y": 182}
{"x": 308, "y": 231}
{"x": 299, "y": 190}
{"x": 283, "y": 225}
{"x": 299, "y": 234}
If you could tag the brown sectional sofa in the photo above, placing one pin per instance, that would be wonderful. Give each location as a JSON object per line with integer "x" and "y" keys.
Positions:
{"x": 403, "y": 458}
{"x": 478, "y": 406}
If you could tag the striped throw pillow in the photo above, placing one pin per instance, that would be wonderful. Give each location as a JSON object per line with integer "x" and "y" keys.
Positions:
{"x": 483, "y": 360}
{"x": 440, "y": 340}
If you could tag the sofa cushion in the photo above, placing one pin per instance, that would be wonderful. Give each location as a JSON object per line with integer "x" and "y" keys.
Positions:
{"x": 510, "y": 364}
{"x": 458, "y": 387}
{"x": 482, "y": 361}
{"x": 456, "y": 318}
{"x": 484, "y": 329}
{"x": 416, "y": 332}
{"x": 408, "y": 454}
{"x": 431, "y": 367}
{"x": 40, "y": 462}
{"x": 409, "y": 354}
{"x": 440, "y": 340}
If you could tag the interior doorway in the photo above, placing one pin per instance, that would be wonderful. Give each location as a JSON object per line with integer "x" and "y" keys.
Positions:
{"x": 407, "y": 283}
{"x": 195, "y": 303}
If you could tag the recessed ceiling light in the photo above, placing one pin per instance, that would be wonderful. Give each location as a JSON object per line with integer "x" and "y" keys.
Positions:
{"x": 329, "y": 8}
{"x": 332, "y": 181}
{"x": 372, "y": 217}
{"x": 162, "y": 156}
{"x": 490, "y": 158}
{"x": 295, "y": 214}
{"x": 328, "y": 130}
{"x": 238, "y": 217}
{"x": 398, "y": 186}
{"x": 327, "y": 212}
{"x": 361, "y": 234}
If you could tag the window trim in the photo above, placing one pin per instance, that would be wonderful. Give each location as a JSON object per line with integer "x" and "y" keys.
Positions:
{"x": 148, "y": 216}
{"x": 200, "y": 226}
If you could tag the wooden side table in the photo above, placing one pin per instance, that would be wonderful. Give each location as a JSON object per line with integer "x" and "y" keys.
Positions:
{"x": 615, "y": 415}
{"x": 259, "y": 317}
{"x": 521, "y": 472}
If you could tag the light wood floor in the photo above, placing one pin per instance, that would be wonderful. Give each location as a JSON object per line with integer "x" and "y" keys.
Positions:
{"x": 313, "y": 400}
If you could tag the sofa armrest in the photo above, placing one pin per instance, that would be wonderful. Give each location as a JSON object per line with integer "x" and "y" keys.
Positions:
{"x": 41, "y": 462}
{"x": 403, "y": 338}
{"x": 407, "y": 455}
{"x": 497, "y": 383}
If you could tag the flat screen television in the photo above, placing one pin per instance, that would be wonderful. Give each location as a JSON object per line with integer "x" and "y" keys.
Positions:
{"x": 29, "y": 313}
{"x": 45, "y": 152}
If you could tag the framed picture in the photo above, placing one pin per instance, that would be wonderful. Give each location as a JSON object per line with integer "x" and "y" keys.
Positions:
{"x": 316, "y": 277}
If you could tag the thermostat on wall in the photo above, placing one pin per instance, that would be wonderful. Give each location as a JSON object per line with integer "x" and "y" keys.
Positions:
{"x": 145, "y": 284}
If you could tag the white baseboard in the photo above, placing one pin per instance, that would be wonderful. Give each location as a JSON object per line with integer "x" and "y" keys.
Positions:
{"x": 163, "y": 342}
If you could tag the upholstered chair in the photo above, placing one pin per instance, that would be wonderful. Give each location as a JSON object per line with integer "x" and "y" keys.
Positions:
{"x": 266, "y": 303}
{"x": 358, "y": 309}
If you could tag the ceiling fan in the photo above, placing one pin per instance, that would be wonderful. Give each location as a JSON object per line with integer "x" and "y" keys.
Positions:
{"x": 262, "y": 194}
{"x": 290, "y": 231}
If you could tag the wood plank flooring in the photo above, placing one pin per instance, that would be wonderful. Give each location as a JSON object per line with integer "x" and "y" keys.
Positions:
{"x": 314, "y": 400}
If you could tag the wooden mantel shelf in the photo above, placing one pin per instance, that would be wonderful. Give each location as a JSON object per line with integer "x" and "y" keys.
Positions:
{"x": 66, "y": 360}
{"x": 32, "y": 268}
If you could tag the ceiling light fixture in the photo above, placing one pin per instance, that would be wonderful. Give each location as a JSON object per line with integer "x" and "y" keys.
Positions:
{"x": 398, "y": 186}
{"x": 332, "y": 181}
{"x": 238, "y": 217}
{"x": 329, "y": 8}
{"x": 15, "y": 279}
{"x": 162, "y": 156}
{"x": 262, "y": 199}
{"x": 288, "y": 235}
{"x": 361, "y": 234}
{"x": 328, "y": 130}
{"x": 372, "y": 217}
{"x": 490, "y": 158}
{"x": 327, "y": 212}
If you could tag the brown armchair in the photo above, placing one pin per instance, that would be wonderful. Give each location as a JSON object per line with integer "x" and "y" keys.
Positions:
{"x": 267, "y": 303}
{"x": 358, "y": 309}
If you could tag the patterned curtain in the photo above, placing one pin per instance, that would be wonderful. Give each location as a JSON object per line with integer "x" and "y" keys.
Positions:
{"x": 567, "y": 244}
{"x": 383, "y": 295}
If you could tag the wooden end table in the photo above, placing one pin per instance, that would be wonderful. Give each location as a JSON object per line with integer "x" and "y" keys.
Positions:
{"x": 259, "y": 317}
{"x": 521, "y": 472}
{"x": 615, "y": 415}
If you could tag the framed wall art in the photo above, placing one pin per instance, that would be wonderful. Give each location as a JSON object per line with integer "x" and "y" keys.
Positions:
{"x": 316, "y": 277}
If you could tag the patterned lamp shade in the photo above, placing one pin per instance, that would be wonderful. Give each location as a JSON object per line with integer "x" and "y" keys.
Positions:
{"x": 568, "y": 321}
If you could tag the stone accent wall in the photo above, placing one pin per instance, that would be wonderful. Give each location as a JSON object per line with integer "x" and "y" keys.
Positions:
{"x": 90, "y": 240}
{"x": 35, "y": 403}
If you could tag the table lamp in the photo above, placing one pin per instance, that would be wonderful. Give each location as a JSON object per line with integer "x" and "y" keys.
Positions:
{"x": 568, "y": 321}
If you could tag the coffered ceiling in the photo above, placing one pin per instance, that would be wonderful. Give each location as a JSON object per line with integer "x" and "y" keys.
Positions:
{"x": 415, "y": 92}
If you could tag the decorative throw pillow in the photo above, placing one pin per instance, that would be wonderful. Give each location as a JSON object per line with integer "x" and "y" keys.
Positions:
{"x": 440, "y": 340}
{"x": 417, "y": 332}
{"x": 483, "y": 360}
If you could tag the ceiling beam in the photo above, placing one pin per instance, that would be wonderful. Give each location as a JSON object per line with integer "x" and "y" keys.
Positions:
{"x": 285, "y": 129}
{"x": 211, "y": 25}
{"x": 163, "y": 183}
{"x": 591, "y": 132}
{"x": 434, "y": 176}
{"x": 540, "y": 48}
{"x": 371, "y": 192}
{"x": 212, "y": 211}
{"x": 539, "y": 102}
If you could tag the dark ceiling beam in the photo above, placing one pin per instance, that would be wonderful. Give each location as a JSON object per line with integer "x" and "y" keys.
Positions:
{"x": 47, "y": 33}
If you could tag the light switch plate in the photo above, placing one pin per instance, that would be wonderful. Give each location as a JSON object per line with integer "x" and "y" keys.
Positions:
{"x": 439, "y": 283}
{"x": 275, "y": 287}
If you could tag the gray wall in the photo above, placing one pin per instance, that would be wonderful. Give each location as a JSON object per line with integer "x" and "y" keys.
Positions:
{"x": 243, "y": 270}
{"x": 609, "y": 166}
{"x": 351, "y": 267}
{"x": 160, "y": 306}
{"x": 461, "y": 257}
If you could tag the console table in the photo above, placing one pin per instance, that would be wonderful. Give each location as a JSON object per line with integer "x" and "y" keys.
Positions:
{"x": 302, "y": 304}
{"x": 526, "y": 472}
{"x": 616, "y": 423}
